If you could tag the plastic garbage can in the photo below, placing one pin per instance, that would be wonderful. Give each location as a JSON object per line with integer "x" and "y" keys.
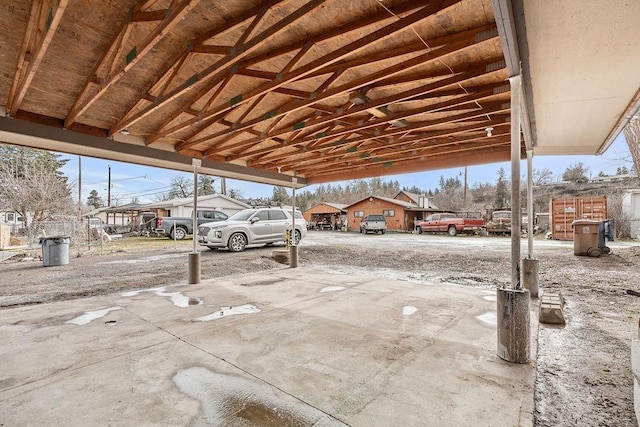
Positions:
{"x": 585, "y": 237}
{"x": 55, "y": 250}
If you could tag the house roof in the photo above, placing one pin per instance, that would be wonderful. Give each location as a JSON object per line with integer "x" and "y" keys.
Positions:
{"x": 402, "y": 203}
{"x": 188, "y": 201}
{"x": 323, "y": 90}
{"x": 336, "y": 206}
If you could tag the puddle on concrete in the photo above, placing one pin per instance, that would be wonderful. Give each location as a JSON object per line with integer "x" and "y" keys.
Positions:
{"x": 332, "y": 289}
{"x": 408, "y": 310}
{"x": 229, "y": 311}
{"x": 177, "y": 298}
{"x": 488, "y": 319}
{"x": 89, "y": 316}
{"x": 234, "y": 401}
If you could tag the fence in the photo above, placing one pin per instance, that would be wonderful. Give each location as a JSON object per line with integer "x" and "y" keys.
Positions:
{"x": 81, "y": 239}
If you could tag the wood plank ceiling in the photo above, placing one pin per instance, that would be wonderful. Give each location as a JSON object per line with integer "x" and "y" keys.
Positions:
{"x": 321, "y": 89}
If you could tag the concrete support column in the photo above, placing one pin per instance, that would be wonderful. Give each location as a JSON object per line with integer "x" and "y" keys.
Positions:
{"x": 530, "y": 268}
{"x": 194, "y": 268}
{"x": 293, "y": 256}
{"x": 514, "y": 335}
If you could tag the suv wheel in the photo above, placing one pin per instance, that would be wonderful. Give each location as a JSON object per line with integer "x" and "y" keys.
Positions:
{"x": 237, "y": 242}
{"x": 298, "y": 237}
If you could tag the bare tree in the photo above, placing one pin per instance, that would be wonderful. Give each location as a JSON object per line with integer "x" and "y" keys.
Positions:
{"x": 542, "y": 176}
{"x": 32, "y": 184}
{"x": 632, "y": 135}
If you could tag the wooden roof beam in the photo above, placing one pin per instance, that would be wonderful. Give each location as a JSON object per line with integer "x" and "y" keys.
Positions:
{"x": 487, "y": 109}
{"x": 349, "y": 49}
{"x": 44, "y": 18}
{"x": 435, "y": 133}
{"x": 472, "y": 72}
{"x": 168, "y": 18}
{"x": 221, "y": 68}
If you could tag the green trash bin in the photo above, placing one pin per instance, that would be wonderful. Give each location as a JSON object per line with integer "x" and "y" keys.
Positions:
{"x": 55, "y": 250}
{"x": 585, "y": 237}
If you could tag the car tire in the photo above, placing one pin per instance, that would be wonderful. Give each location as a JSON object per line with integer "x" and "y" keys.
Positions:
{"x": 361, "y": 231}
{"x": 452, "y": 231}
{"x": 383, "y": 231}
{"x": 237, "y": 242}
{"x": 297, "y": 237}
{"x": 180, "y": 233}
{"x": 419, "y": 230}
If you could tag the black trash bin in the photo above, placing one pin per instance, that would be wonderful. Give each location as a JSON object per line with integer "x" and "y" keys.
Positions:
{"x": 55, "y": 250}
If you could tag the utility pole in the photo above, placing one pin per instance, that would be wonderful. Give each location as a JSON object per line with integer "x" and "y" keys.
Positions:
{"x": 108, "y": 191}
{"x": 465, "y": 188}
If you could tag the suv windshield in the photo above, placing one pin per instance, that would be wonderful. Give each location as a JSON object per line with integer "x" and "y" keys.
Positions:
{"x": 242, "y": 215}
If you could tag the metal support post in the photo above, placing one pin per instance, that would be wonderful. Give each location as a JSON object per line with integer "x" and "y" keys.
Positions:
{"x": 513, "y": 329}
{"x": 293, "y": 249}
{"x": 530, "y": 264}
{"x": 194, "y": 257}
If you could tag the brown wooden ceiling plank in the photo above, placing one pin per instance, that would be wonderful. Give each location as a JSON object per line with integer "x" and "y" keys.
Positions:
{"x": 487, "y": 31}
{"x": 259, "y": 74}
{"x": 46, "y": 25}
{"x": 334, "y": 56}
{"x": 148, "y": 16}
{"x": 344, "y": 167}
{"x": 345, "y": 88}
{"x": 212, "y": 49}
{"x": 252, "y": 26}
{"x": 381, "y": 16}
{"x": 437, "y": 150}
{"x": 482, "y": 157}
{"x": 169, "y": 19}
{"x": 221, "y": 67}
{"x": 29, "y": 40}
{"x": 489, "y": 108}
{"x": 471, "y": 73}
{"x": 312, "y": 157}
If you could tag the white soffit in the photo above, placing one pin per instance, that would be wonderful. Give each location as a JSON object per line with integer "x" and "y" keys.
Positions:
{"x": 584, "y": 67}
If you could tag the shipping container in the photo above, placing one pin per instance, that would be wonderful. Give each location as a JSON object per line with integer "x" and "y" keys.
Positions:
{"x": 565, "y": 210}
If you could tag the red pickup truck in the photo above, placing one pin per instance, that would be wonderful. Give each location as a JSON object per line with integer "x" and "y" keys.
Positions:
{"x": 449, "y": 223}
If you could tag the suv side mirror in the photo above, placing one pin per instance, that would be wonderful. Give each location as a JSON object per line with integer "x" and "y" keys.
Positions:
{"x": 254, "y": 220}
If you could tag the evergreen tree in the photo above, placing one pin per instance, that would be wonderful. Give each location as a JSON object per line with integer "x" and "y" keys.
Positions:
{"x": 576, "y": 173}
{"x": 280, "y": 195}
{"x": 94, "y": 200}
{"x": 205, "y": 185}
{"x": 502, "y": 191}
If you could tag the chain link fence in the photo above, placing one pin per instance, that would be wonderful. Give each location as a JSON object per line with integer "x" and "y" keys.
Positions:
{"x": 83, "y": 236}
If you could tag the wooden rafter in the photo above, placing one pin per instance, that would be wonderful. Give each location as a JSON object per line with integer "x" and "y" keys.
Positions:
{"x": 489, "y": 109}
{"x": 470, "y": 73}
{"x": 44, "y": 19}
{"x": 168, "y": 18}
{"x": 221, "y": 68}
{"x": 311, "y": 67}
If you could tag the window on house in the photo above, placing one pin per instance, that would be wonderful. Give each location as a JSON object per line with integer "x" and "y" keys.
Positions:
{"x": 389, "y": 212}
{"x": 358, "y": 214}
{"x": 10, "y": 217}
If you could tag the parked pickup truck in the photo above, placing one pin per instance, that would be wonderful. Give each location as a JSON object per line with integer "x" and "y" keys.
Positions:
{"x": 374, "y": 223}
{"x": 180, "y": 227}
{"x": 449, "y": 223}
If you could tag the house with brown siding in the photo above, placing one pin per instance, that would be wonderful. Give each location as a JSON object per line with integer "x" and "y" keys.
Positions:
{"x": 399, "y": 214}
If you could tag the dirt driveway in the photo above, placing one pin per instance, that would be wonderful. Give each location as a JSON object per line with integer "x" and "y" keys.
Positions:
{"x": 583, "y": 369}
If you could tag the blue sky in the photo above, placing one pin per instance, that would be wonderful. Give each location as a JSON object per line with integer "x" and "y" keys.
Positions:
{"x": 145, "y": 183}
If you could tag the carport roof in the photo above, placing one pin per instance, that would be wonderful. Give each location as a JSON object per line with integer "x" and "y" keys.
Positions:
{"x": 323, "y": 90}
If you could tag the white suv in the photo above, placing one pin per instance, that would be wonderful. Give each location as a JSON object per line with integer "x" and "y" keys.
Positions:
{"x": 257, "y": 226}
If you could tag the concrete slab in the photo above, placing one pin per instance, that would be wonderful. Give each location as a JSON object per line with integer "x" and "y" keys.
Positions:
{"x": 316, "y": 348}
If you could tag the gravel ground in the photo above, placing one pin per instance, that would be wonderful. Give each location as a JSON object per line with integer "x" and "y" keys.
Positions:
{"x": 583, "y": 369}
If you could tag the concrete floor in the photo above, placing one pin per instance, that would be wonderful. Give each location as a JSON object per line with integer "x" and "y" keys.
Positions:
{"x": 286, "y": 347}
